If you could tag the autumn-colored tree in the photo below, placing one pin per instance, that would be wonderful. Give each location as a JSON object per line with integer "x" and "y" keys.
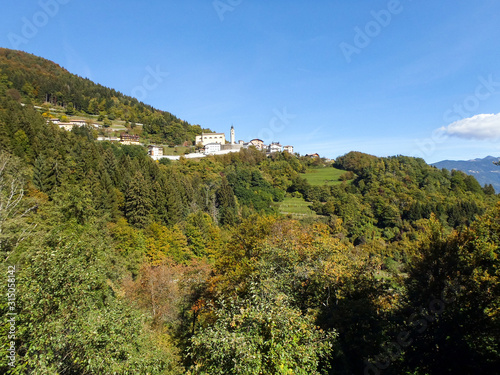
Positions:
{"x": 165, "y": 290}
{"x": 454, "y": 292}
{"x": 163, "y": 242}
{"x": 68, "y": 318}
{"x": 204, "y": 237}
{"x": 259, "y": 334}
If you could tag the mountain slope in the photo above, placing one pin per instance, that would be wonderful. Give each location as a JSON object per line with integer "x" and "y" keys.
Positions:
{"x": 33, "y": 79}
{"x": 483, "y": 170}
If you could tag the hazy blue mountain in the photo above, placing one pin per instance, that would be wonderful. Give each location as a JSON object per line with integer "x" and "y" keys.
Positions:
{"x": 483, "y": 170}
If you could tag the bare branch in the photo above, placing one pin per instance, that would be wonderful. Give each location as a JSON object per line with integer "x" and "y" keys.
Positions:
{"x": 13, "y": 210}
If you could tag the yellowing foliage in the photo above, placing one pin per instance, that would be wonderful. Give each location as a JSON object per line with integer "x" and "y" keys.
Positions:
{"x": 163, "y": 242}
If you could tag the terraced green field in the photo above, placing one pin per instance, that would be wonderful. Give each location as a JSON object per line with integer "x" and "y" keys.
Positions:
{"x": 323, "y": 176}
{"x": 297, "y": 207}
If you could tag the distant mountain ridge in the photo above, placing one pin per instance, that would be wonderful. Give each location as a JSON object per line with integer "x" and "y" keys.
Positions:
{"x": 483, "y": 170}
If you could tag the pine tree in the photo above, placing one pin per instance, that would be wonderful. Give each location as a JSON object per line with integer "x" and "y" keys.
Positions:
{"x": 489, "y": 189}
{"x": 43, "y": 174}
{"x": 138, "y": 201}
{"x": 174, "y": 204}
{"x": 160, "y": 207}
{"x": 227, "y": 203}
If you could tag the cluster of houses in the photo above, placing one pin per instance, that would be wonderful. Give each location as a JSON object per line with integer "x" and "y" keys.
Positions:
{"x": 215, "y": 143}
{"x": 125, "y": 139}
{"x": 206, "y": 143}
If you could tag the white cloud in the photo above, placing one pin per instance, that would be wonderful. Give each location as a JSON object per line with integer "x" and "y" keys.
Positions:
{"x": 484, "y": 126}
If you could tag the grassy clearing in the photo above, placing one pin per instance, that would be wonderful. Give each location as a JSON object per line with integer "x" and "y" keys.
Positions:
{"x": 172, "y": 151}
{"x": 297, "y": 207}
{"x": 323, "y": 176}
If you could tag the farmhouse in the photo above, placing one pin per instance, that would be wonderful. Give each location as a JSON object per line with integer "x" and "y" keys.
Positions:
{"x": 155, "y": 150}
{"x": 129, "y": 139}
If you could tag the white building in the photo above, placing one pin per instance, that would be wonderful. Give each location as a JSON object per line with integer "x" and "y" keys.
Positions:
{"x": 206, "y": 138}
{"x": 70, "y": 125}
{"x": 288, "y": 149}
{"x": 66, "y": 125}
{"x": 78, "y": 122}
{"x": 155, "y": 150}
{"x": 212, "y": 148}
{"x": 274, "y": 147}
{"x": 109, "y": 139}
{"x": 258, "y": 143}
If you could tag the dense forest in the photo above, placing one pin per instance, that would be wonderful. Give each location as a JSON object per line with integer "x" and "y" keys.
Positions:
{"x": 123, "y": 265}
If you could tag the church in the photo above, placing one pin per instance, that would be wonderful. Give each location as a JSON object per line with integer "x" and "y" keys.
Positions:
{"x": 207, "y": 138}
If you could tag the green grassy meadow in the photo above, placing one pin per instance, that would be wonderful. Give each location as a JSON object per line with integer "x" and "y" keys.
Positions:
{"x": 323, "y": 176}
{"x": 173, "y": 151}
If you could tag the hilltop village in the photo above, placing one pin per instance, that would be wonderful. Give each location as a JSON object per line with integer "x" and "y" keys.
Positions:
{"x": 205, "y": 144}
{"x": 216, "y": 144}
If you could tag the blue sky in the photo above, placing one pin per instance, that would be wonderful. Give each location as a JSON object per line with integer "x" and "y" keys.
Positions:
{"x": 383, "y": 77}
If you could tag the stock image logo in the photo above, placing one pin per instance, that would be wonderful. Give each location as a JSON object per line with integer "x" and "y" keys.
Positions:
{"x": 32, "y": 25}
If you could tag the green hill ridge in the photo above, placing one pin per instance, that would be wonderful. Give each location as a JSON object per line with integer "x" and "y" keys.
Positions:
{"x": 35, "y": 80}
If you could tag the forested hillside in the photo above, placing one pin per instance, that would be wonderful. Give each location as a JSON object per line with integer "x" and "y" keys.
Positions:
{"x": 35, "y": 80}
{"x": 129, "y": 266}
